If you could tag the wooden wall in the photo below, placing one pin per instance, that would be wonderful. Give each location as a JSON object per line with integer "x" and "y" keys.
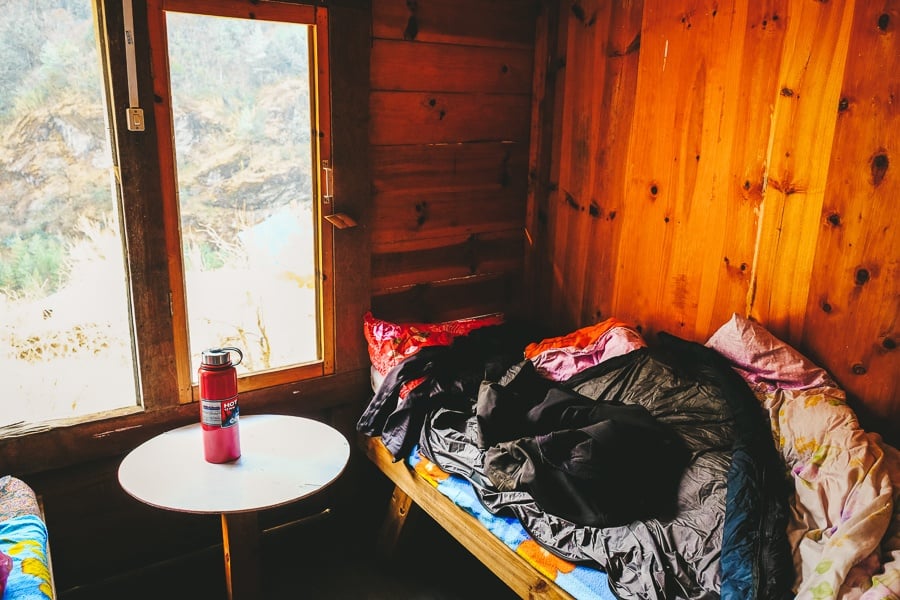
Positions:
{"x": 711, "y": 157}
{"x": 450, "y": 108}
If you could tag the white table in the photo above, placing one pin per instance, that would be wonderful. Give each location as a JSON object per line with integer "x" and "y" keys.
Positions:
{"x": 283, "y": 459}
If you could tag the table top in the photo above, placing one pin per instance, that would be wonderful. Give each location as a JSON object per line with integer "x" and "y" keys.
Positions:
{"x": 283, "y": 459}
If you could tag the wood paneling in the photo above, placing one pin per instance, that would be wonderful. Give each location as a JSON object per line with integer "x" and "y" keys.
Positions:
{"x": 451, "y": 299}
{"x": 801, "y": 142}
{"x": 500, "y": 23}
{"x": 853, "y": 303}
{"x": 439, "y": 259}
{"x": 436, "y": 118}
{"x": 349, "y": 59}
{"x": 450, "y": 112}
{"x": 711, "y": 158}
{"x": 449, "y": 167}
{"x": 424, "y": 67}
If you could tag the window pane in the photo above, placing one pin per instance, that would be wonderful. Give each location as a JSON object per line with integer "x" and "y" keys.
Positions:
{"x": 65, "y": 338}
{"x": 241, "y": 113}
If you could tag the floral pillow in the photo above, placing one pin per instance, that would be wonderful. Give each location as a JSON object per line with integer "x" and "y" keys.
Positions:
{"x": 390, "y": 343}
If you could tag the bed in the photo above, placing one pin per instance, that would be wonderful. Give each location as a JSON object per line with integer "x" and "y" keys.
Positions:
{"x": 596, "y": 465}
{"x": 25, "y": 568}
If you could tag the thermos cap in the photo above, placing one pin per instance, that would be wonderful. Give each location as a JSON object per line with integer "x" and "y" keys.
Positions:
{"x": 217, "y": 357}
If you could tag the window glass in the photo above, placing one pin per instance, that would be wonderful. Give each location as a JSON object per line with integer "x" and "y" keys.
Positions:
{"x": 244, "y": 154}
{"x": 66, "y": 346}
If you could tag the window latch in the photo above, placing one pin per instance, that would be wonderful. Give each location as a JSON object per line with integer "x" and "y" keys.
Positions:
{"x": 134, "y": 115}
{"x": 327, "y": 182}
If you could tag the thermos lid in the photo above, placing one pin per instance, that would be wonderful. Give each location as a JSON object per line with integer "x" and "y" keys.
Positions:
{"x": 218, "y": 357}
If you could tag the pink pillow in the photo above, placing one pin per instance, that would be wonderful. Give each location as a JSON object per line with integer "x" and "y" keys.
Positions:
{"x": 583, "y": 349}
{"x": 761, "y": 358}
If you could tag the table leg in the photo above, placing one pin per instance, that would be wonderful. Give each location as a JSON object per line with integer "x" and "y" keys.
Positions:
{"x": 240, "y": 535}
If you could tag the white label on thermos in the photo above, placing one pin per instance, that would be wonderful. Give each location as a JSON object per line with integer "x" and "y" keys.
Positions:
{"x": 219, "y": 413}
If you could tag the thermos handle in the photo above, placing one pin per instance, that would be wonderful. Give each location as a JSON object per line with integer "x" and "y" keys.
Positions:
{"x": 239, "y": 353}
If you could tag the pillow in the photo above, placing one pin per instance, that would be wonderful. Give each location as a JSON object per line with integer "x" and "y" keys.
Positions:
{"x": 560, "y": 358}
{"x": 763, "y": 359}
{"x": 390, "y": 343}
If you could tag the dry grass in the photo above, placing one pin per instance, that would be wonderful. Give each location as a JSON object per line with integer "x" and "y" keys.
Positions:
{"x": 69, "y": 353}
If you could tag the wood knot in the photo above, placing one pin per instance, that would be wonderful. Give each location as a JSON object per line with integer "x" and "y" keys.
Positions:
{"x": 594, "y": 210}
{"x": 879, "y": 167}
{"x": 884, "y": 20}
{"x": 422, "y": 210}
{"x": 787, "y": 92}
{"x": 834, "y": 219}
{"x": 889, "y": 343}
{"x": 654, "y": 190}
{"x": 859, "y": 369}
{"x": 843, "y": 105}
{"x": 861, "y": 277}
{"x": 412, "y": 28}
{"x": 826, "y": 308}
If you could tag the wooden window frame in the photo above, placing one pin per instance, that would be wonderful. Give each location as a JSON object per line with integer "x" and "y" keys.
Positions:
{"x": 135, "y": 159}
{"x": 320, "y": 113}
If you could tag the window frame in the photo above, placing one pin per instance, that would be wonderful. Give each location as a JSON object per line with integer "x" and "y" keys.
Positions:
{"x": 335, "y": 397}
{"x": 320, "y": 113}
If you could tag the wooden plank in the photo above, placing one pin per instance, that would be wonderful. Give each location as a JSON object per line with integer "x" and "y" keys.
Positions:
{"x": 449, "y": 167}
{"x": 504, "y": 23}
{"x": 805, "y": 113}
{"x": 395, "y": 518}
{"x": 615, "y": 93}
{"x": 571, "y": 203}
{"x": 763, "y": 45}
{"x": 453, "y": 299}
{"x": 447, "y": 258}
{"x": 407, "y": 66}
{"x": 66, "y": 446}
{"x": 540, "y": 156}
{"x": 404, "y": 216}
{"x": 425, "y": 118}
{"x": 349, "y": 60}
{"x": 240, "y": 537}
{"x": 690, "y": 84}
{"x": 511, "y": 568}
{"x": 854, "y": 304}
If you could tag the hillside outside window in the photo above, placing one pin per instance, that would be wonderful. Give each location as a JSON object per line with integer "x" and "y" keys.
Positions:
{"x": 245, "y": 100}
{"x": 241, "y": 116}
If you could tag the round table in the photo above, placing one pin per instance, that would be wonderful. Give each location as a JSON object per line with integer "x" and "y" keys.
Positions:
{"x": 283, "y": 459}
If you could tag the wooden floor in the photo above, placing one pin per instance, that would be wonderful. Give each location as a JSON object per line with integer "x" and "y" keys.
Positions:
{"x": 327, "y": 558}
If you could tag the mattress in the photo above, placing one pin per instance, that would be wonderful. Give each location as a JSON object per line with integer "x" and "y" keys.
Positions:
{"x": 579, "y": 580}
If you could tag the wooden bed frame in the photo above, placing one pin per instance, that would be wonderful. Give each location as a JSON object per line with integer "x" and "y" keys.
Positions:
{"x": 411, "y": 490}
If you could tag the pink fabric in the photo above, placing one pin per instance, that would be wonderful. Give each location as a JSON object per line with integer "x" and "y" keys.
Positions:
{"x": 560, "y": 364}
{"x": 6, "y": 565}
{"x": 761, "y": 358}
{"x": 845, "y": 512}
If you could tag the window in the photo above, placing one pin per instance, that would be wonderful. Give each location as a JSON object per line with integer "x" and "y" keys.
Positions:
{"x": 240, "y": 132}
{"x": 66, "y": 346}
{"x": 245, "y": 100}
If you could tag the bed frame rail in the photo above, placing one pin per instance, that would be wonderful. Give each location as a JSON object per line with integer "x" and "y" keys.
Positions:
{"x": 512, "y": 569}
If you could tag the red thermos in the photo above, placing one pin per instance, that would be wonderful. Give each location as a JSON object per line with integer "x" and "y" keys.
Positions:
{"x": 219, "y": 409}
